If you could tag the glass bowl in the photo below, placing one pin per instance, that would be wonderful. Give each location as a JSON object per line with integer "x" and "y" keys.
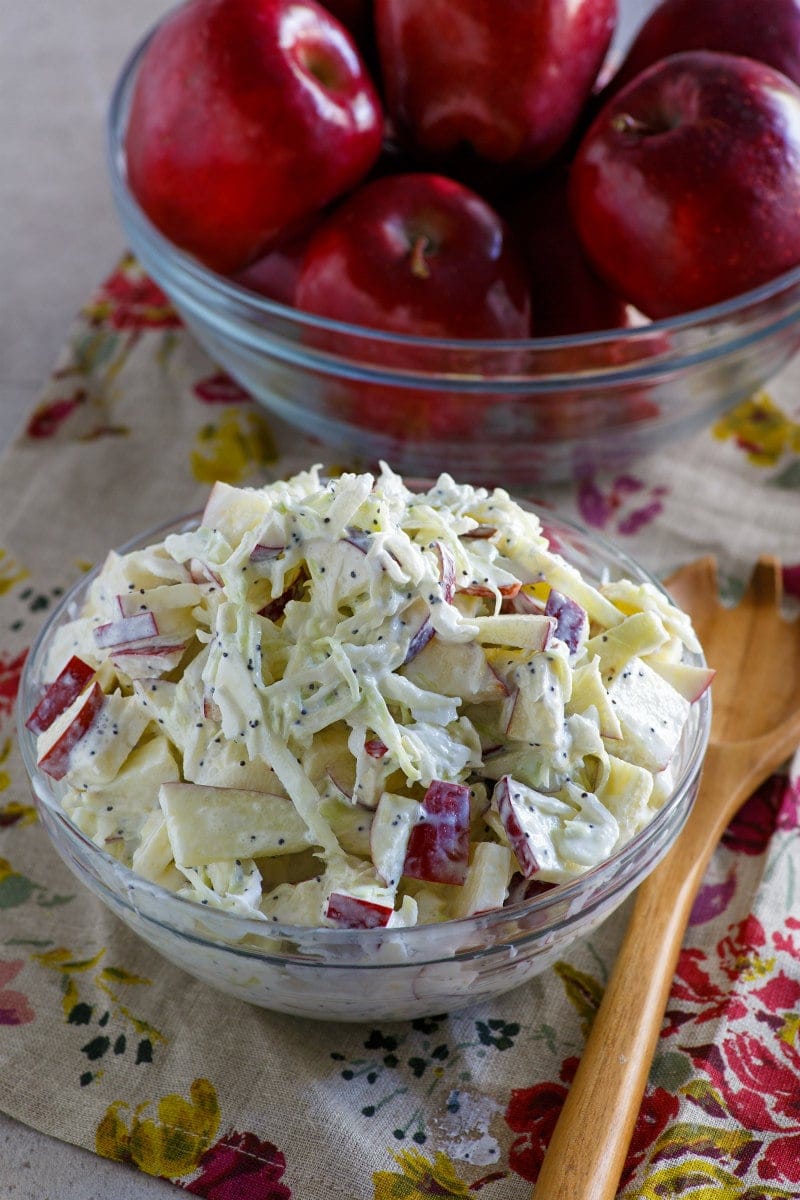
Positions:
{"x": 540, "y": 410}
{"x": 373, "y": 974}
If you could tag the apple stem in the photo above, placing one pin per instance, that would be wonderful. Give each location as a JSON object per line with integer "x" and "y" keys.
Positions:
{"x": 419, "y": 264}
{"x": 625, "y": 123}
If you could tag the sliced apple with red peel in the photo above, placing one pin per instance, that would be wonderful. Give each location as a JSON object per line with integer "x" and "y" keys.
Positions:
{"x": 354, "y": 912}
{"x": 529, "y": 831}
{"x": 276, "y": 607}
{"x": 395, "y": 817}
{"x": 455, "y": 669}
{"x": 521, "y": 889}
{"x": 480, "y": 532}
{"x": 525, "y": 631}
{"x": 125, "y": 630}
{"x": 438, "y": 846}
{"x": 447, "y": 571}
{"x": 417, "y": 618}
{"x": 375, "y": 748}
{"x": 688, "y": 680}
{"x": 72, "y": 725}
{"x": 148, "y": 661}
{"x": 571, "y": 619}
{"x": 262, "y": 553}
{"x": 507, "y": 590}
{"x": 65, "y": 688}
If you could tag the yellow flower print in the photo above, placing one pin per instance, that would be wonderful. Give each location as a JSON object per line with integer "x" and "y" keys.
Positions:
{"x": 419, "y": 1178}
{"x": 169, "y": 1144}
{"x": 14, "y": 813}
{"x": 11, "y": 573}
{"x": 761, "y": 429}
{"x": 232, "y": 447}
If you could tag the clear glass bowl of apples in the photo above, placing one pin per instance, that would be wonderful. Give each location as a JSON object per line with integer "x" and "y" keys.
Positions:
{"x": 379, "y": 898}
{"x": 523, "y": 249}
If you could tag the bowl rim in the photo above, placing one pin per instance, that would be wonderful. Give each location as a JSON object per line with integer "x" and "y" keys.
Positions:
{"x": 46, "y": 792}
{"x": 192, "y": 269}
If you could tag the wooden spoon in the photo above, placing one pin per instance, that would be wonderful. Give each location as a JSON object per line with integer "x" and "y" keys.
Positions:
{"x": 755, "y": 727}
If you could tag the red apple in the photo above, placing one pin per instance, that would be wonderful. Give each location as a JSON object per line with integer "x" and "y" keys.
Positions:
{"x": 567, "y": 297}
{"x": 768, "y": 31}
{"x": 686, "y": 188}
{"x": 403, "y": 252}
{"x": 508, "y": 80}
{"x": 246, "y": 117}
{"x": 66, "y": 687}
{"x": 354, "y": 912}
{"x": 137, "y": 628}
{"x": 54, "y": 760}
{"x": 438, "y": 847}
{"x": 274, "y": 275}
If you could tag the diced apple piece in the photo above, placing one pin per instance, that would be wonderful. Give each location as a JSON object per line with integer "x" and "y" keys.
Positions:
{"x": 416, "y": 620}
{"x": 520, "y": 889}
{"x": 148, "y": 661}
{"x": 535, "y": 711}
{"x": 99, "y": 754}
{"x": 690, "y": 681}
{"x": 651, "y": 714}
{"x": 507, "y": 590}
{"x": 354, "y": 912}
{"x": 375, "y": 748}
{"x": 458, "y": 669}
{"x": 395, "y": 816}
{"x": 438, "y": 847}
{"x": 530, "y": 820}
{"x": 60, "y": 694}
{"x": 526, "y": 631}
{"x": 67, "y": 730}
{"x": 152, "y": 858}
{"x": 572, "y": 621}
{"x": 487, "y": 879}
{"x": 162, "y": 599}
{"x": 296, "y": 903}
{"x": 351, "y": 825}
{"x": 480, "y": 532}
{"x": 215, "y": 824}
{"x": 447, "y": 571}
{"x": 329, "y": 756}
{"x": 201, "y": 572}
{"x": 639, "y": 634}
{"x": 125, "y": 630}
{"x": 232, "y": 511}
{"x": 262, "y": 553}
{"x": 123, "y": 804}
{"x": 589, "y": 691}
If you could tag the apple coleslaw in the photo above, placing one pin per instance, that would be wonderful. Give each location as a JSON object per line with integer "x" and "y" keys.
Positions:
{"x": 341, "y": 701}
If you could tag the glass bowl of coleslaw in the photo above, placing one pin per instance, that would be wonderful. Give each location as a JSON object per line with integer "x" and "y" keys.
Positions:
{"x": 285, "y": 888}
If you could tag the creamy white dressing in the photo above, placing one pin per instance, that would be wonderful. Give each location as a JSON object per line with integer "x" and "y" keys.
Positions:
{"x": 321, "y": 626}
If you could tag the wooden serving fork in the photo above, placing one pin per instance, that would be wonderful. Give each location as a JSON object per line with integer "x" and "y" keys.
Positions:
{"x": 755, "y": 727}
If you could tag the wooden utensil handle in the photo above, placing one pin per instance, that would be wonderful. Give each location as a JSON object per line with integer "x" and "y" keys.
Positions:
{"x": 587, "y": 1151}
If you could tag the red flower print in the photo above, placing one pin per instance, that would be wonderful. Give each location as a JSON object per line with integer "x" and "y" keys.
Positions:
{"x": 533, "y": 1113}
{"x": 240, "y": 1167}
{"x": 14, "y": 1007}
{"x": 788, "y": 817}
{"x": 751, "y": 829}
{"x": 659, "y": 1108}
{"x": 740, "y": 950}
{"x": 221, "y": 389}
{"x": 627, "y": 506}
{"x": 10, "y": 673}
{"x": 130, "y": 300}
{"x": 47, "y": 420}
{"x": 781, "y": 1159}
{"x": 791, "y": 579}
{"x": 696, "y": 997}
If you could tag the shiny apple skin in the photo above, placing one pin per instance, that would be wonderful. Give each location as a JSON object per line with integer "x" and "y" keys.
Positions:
{"x": 768, "y": 30}
{"x": 233, "y": 137}
{"x": 507, "y": 79}
{"x": 686, "y": 189}
{"x": 416, "y": 254}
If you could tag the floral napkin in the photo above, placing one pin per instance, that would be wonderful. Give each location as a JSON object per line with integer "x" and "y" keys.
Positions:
{"x": 104, "y": 1044}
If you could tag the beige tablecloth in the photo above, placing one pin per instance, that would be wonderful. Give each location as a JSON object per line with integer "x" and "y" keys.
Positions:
{"x": 105, "y": 1045}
